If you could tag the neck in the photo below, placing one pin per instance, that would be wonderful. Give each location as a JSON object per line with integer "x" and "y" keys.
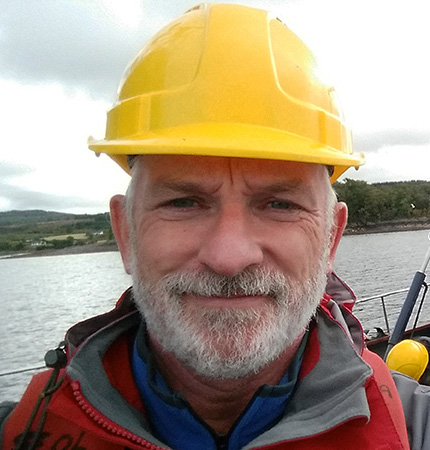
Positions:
{"x": 218, "y": 402}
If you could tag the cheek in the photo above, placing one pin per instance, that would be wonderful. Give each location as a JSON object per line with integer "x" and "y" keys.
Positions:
{"x": 165, "y": 247}
{"x": 298, "y": 249}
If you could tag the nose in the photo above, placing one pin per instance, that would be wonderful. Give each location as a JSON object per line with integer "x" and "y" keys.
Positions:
{"x": 230, "y": 245}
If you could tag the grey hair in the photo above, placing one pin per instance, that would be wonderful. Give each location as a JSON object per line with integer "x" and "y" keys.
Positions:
{"x": 131, "y": 189}
{"x": 331, "y": 203}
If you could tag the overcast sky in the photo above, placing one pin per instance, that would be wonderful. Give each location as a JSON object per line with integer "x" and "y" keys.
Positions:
{"x": 61, "y": 62}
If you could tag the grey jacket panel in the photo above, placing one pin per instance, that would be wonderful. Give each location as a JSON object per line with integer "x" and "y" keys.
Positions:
{"x": 6, "y": 409}
{"x": 415, "y": 399}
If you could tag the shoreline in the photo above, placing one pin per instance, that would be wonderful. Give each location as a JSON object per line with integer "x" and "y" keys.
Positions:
{"x": 387, "y": 228}
{"x": 73, "y": 250}
{"x": 112, "y": 246}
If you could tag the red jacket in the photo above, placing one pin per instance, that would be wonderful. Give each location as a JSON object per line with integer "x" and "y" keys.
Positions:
{"x": 339, "y": 402}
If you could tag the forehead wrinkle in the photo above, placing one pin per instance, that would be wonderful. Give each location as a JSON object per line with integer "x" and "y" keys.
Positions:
{"x": 181, "y": 186}
{"x": 266, "y": 177}
{"x": 230, "y": 163}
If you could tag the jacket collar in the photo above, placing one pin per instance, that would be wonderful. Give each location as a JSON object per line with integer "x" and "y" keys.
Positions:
{"x": 331, "y": 384}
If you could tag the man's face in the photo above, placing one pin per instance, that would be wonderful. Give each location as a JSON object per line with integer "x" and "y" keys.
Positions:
{"x": 228, "y": 256}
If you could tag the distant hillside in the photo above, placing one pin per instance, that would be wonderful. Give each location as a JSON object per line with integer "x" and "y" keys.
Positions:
{"x": 33, "y": 216}
{"x": 31, "y": 229}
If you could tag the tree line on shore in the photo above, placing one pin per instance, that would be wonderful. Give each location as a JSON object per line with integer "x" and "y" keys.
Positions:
{"x": 384, "y": 203}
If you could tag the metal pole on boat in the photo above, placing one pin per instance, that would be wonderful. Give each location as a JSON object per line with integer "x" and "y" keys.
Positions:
{"x": 408, "y": 305}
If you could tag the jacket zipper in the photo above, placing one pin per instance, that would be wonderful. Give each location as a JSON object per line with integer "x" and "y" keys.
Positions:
{"x": 106, "y": 423}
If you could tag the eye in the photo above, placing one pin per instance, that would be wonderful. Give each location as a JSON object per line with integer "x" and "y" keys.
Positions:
{"x": 183, "y": 202}
{"x": 279, "y": 204}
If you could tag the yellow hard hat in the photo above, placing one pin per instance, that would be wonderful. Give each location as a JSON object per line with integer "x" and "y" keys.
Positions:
{"x": 227, "y": 80}
{"x": 408, "y": 357}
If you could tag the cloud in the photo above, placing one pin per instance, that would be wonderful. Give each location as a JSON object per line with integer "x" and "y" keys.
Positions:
{"x": 373, "y": 141}
{"x": 10, "y": 170}
{"x": 71, "y": 189}
{"x": 13, "y": 196}
{"x": 394, "y": 163}
{"x": 81, "y": 187}
{"x": 46, "y": 150}
{"x": 81, "y": 44}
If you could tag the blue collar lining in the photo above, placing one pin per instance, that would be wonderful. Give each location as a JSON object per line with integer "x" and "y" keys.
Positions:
{"x": 174, "y": 422}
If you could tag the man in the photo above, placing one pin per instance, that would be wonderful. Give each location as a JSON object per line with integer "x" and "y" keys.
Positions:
{"x": 229, "y": 229}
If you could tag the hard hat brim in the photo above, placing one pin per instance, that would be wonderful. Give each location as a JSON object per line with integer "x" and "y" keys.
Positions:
{"x": 226, "y": 140}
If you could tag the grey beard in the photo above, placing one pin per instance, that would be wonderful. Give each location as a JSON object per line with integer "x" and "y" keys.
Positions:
{"x": 228, "y": 343}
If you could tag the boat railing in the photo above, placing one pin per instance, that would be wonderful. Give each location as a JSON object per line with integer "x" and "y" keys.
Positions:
{"x": 384, "y": 300}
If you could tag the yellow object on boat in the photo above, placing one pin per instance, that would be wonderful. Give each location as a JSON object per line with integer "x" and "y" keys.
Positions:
{"x": 408, "y": 357}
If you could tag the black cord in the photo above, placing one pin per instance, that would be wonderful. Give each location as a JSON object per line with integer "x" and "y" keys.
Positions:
{"x": 57, "y": 360}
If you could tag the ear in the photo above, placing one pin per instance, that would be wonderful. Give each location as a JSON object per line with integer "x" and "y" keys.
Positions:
{"x": 340, "y": 218}
{"x": 121, "y": 228}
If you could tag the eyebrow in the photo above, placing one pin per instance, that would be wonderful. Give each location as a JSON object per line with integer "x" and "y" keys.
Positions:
{"x": 291, "y": 186}
{"x": 183, "y": 187}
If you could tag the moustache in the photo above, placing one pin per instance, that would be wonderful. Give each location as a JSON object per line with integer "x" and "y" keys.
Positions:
{"x": 250, "y": 282}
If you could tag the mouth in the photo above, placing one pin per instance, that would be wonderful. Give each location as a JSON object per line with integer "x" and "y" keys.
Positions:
{"x": 231, "y": 301}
